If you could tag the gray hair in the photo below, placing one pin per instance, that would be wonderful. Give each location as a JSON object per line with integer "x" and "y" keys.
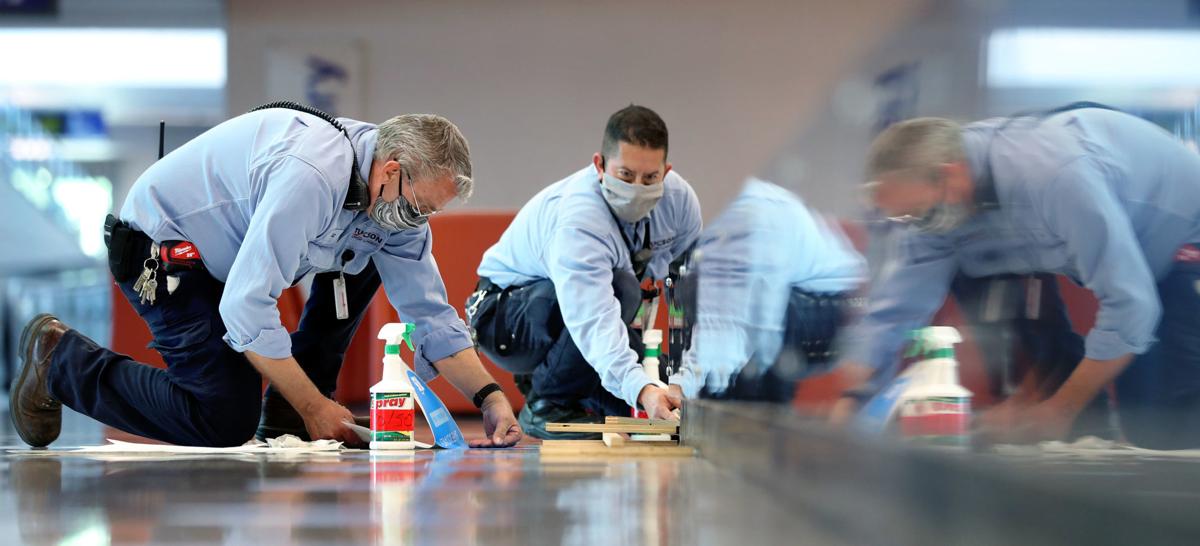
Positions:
{"x": 917, "y": 145}
{"x": 428, "y": 146}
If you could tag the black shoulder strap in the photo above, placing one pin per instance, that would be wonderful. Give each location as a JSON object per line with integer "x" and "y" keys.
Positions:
{"x": 987, "y": 193}
{"x": 357, "y": 195}
{"x": 1045, "y": 113}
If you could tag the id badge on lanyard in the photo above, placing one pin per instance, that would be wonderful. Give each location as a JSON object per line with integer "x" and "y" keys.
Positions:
{"x": 341, "y": 304}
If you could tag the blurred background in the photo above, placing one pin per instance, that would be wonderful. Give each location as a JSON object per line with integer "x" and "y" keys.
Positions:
{"x": 791, "y": 91}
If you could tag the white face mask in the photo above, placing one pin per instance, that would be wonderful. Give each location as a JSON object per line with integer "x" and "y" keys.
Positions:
{"x": 630, "y": 202}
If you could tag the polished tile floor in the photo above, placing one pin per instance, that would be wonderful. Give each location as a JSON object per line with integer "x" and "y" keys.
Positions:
{"x": 427, "y": 497}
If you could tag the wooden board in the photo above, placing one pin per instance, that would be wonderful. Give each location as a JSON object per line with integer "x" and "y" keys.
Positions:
{"x": 551, "y": 445}
{"x": 596, "y": 448}
{"x": 672, "y": 428}
{"x": 611, "y": 420}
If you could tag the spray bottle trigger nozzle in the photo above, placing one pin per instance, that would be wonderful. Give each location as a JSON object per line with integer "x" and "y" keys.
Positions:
{"x": 408, "y": 331}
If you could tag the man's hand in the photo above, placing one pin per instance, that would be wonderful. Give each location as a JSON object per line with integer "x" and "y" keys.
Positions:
{"x": 657, "y": 403}
{"x": 1003, "y": 416}
{"x": 464, "y": 370}
{"x": 1052, "y": 419}
{"x": 326, "y": 421}
{"x": 322, "y": 417}
{"x": 843, "y": 411}
{"x": 1025, "y": 423}
{"x": 675, "y": 394}
{"x": 499, "y": 424}
{"x": 853, "y": 375}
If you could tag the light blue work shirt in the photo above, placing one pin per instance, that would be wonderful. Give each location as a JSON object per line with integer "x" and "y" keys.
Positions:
{"x": 764, "y": 245}
{"x": 261, "y": 197}
{"x": 567, "y": 234}
{"x": 1102, "y": 197}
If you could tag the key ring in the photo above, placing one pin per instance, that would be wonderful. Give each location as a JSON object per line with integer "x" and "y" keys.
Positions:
{"x": 473, "y": 307}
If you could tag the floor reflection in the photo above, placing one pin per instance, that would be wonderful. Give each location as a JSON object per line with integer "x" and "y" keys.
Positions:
{"x": 425, "y": 497}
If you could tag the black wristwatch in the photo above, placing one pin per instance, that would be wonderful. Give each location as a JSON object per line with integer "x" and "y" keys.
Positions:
{"x": 484, "y": 393}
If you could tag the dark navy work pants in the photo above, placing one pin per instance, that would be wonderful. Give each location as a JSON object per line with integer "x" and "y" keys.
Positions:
{"x": 1158, "y": 395}
{"x": 209, "y": 394}
{"x": 539, "y": 344}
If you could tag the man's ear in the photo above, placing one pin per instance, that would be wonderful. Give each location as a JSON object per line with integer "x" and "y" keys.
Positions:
{"x": 667, "y": 171}
{"x": 598, "y": 162}
{"x": 390, "y": 168}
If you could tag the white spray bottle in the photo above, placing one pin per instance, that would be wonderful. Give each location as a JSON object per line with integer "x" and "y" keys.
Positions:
{"x": 652, "y": 340}
{"x": 936, "y": 409}
{"x": 392, "y": 405}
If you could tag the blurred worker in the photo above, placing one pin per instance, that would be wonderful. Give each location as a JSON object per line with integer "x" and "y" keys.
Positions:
{"x": 558, "y": 291}
{"x": 1105, "y": 198}
{"x": 210, "y": 236}
{"x": 1027, "y": 343}
{"x": 1020, "y": 324}
{"x": 774, "y": 286}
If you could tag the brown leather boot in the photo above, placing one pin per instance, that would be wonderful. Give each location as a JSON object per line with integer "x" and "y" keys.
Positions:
{"x": 36, "y": 415}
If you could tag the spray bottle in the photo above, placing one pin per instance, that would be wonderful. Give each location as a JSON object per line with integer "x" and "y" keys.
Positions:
{"x": 392, "y": 405}
{"x": 652, "y": 340}
{"x": 936, "y": 409}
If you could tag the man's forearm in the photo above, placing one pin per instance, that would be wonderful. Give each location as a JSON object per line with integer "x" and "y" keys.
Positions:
{"x": 287, "y": 377}
{"x": 1086, "y": 381}
{"x": 464, "y": 370}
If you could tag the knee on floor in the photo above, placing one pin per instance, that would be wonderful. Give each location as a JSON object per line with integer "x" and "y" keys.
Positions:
{"x": 228, "y": 423}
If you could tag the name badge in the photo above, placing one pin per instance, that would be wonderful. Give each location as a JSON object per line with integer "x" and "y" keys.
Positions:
{"x": 340, "y": 303}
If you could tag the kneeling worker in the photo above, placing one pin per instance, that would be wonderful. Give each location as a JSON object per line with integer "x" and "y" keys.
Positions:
{"x": 209, "y": 238}
{"x": 558, "y": 291}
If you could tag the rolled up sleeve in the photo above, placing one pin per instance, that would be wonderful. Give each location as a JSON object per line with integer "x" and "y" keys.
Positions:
{"x": 580, "y": 266}
{"x": 1082, "y": 210}
{"x": 296, "y": 201}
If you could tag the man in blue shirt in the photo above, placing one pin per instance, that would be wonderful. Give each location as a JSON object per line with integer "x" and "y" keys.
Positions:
{"x": 773, "y": 288}
{"x": 251, "y": 207}
{"x": 558, "y": 291}
{"x": 1105, "y": 198}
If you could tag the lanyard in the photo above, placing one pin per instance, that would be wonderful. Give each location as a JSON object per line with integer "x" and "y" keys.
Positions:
{"x": 640, "y": 259}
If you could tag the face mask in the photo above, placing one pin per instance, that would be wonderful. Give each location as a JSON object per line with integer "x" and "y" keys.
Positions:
{"x": 942, "y": 218}
{"x": 396, "y": 215}
{"x": 630, "y": 202}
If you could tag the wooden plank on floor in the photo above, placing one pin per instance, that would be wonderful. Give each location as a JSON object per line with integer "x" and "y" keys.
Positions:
{"x": 630, "y": 451}
{"x": 568, "y": 445}
{"x": 673, "y": 428}
{"x": 613, "y": 420}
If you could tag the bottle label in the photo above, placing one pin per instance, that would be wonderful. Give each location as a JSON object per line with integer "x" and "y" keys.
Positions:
{"x": 392, "y": 416}
{"x": 936, "y": 418}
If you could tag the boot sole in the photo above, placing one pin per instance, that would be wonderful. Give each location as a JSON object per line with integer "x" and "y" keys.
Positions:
{"x": 23, "y": 348}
